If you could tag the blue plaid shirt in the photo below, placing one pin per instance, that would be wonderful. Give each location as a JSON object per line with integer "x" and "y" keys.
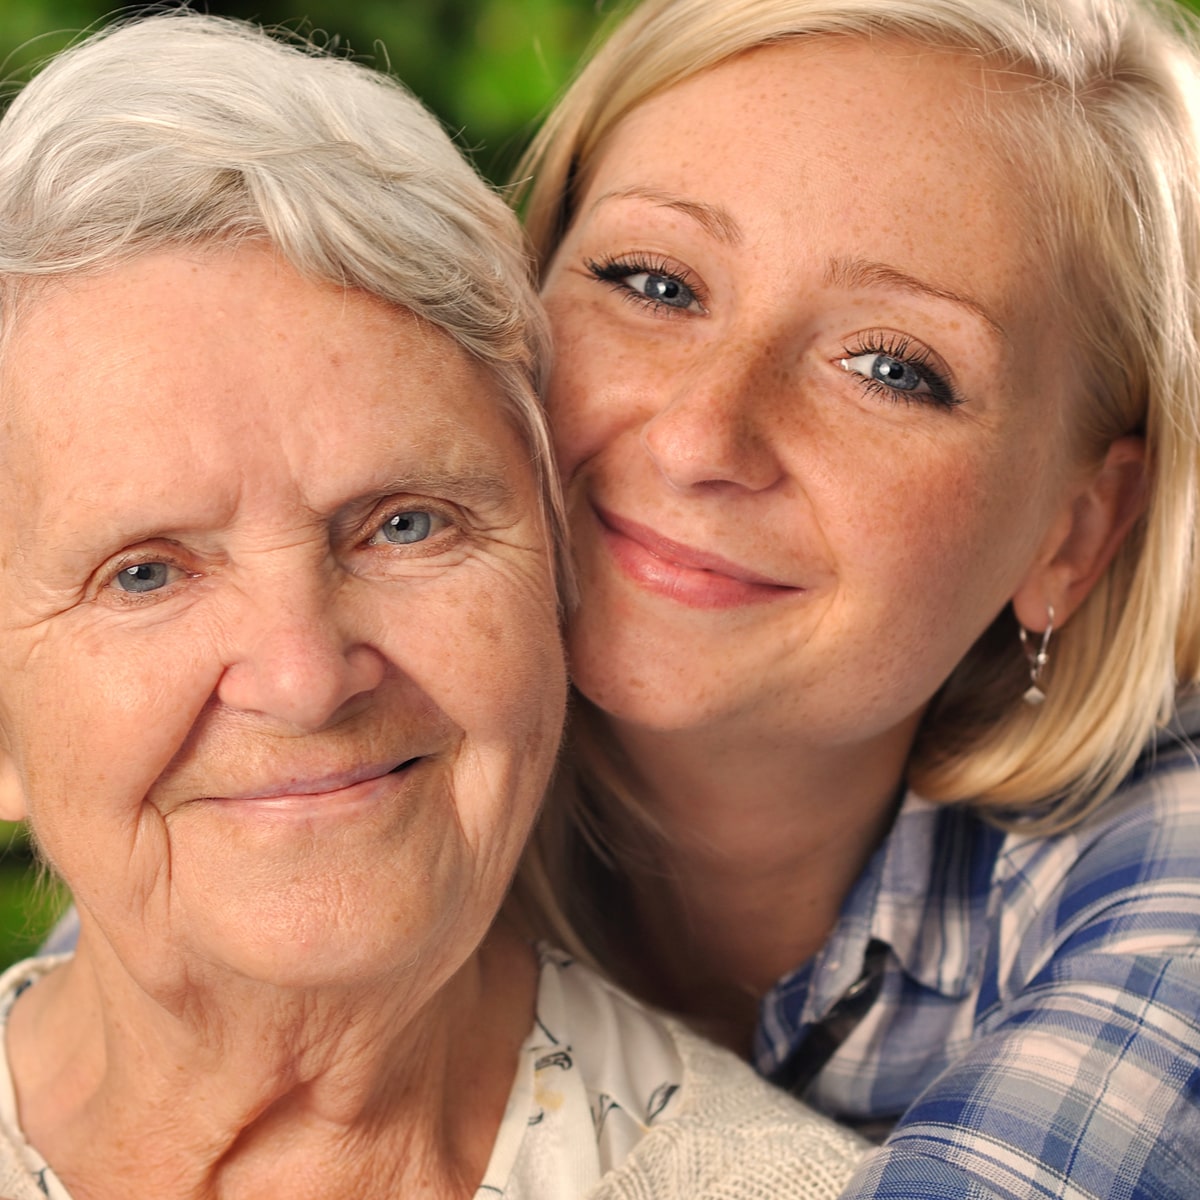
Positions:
{"x": 1036, "y": 1031}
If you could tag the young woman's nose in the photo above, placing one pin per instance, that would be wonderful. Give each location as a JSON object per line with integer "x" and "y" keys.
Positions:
{"x": 716, "y": 425}
{"x": 296, "y": 664}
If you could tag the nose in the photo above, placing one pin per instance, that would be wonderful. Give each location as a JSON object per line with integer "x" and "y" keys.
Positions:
{"x": 715, "y": 427}
{"x": 295, "y": 664}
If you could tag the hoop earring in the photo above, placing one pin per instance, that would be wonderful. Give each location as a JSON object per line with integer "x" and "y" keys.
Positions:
{"x": 1034, "y": 695}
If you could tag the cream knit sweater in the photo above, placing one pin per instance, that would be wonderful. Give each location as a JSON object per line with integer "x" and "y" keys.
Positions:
{"x": 735, "y": 1137}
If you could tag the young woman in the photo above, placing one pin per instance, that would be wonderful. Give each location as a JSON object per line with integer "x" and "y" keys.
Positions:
{"x": 876, "y": 395}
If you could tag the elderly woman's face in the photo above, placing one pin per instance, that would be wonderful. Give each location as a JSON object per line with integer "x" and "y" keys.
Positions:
{"x": 809, "y": 395}
{"x": 280, "y": 680}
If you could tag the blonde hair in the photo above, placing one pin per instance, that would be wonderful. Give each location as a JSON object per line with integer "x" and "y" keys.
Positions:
{"x": 1106, "y": 130}
{"x": 184, "y": 130}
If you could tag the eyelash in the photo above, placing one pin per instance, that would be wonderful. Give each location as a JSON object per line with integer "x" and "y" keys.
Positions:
{"x": 109, "y": 580}
{"x": 942, "y": 392}
{"x": 450, "y": 521}
{"x": 614, "y": 271}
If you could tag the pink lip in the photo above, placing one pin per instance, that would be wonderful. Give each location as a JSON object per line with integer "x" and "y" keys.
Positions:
{"x": 318, "y": 785}
{"x": 693, "y": 577}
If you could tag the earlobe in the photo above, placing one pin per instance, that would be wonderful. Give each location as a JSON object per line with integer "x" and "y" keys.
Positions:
{"x": 1086, "y": 535}
{"x": 12, "y": 790}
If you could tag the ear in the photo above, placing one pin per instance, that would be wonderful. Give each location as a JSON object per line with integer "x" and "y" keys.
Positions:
{"x": 1085, "y": 535}
{"x": 12, "y": 790}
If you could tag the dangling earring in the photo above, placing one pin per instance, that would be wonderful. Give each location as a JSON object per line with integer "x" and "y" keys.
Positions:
{"x": 1037, "y": 660}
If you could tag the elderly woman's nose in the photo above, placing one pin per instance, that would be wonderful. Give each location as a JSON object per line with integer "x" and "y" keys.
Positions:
{"x": 297, "y": 664}
{"x": 716, "y": 424}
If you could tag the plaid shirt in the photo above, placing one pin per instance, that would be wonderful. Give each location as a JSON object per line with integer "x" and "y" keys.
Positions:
{"x": 1036, "y": 1028}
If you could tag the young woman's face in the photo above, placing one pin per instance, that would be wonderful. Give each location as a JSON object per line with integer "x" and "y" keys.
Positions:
{"x": 810, "y": 397}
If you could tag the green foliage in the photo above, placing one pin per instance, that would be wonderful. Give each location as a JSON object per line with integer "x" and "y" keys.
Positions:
{"x": 488, "y": 68}
{"x": 30, "y": 902}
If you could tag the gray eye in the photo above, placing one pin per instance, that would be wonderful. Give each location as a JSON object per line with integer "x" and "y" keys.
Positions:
{"x": 143, "y": 577}
{"x": 896, "y": 373}
{"x": 885, "y": 369}
{"x": 663, "y": 289}
{"x": 407, "y": 527}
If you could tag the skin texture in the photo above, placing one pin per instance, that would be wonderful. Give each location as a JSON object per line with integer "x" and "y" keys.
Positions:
{"x": 782, "y": 553}
{"x": 217, "y": 646}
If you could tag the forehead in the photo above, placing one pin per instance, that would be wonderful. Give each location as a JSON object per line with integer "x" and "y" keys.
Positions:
{"x": 215, "y": 377}
{"x": 882, "y": 150}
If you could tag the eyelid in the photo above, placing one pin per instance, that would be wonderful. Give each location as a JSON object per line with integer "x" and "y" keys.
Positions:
{"x": 615, "y": 268}
{"x": 393, "y": 507}
{"x": 943, "y": 391}
{"x": 108, "y": 574}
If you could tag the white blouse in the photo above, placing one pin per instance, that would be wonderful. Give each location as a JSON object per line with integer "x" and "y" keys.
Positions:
{"x": 596, "y": 1072}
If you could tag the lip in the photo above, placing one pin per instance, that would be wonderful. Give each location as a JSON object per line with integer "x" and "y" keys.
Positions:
{"x": 301, "y": 788}
{"x": 692, "y": 577}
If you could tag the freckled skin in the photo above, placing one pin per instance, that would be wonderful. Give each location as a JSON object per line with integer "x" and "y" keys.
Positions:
{"x": 903, "y": 527}
{"x": 814, "y": 414}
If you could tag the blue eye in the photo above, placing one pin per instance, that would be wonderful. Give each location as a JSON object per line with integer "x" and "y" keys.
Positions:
{"x": 405, "y": 528}
{"x": 897, "y": 370}
{"x": 884, "y": 369}
{"x": 662, "y": 289}
{"x": 655, "y": 285}
{"x": 143, "y": 577}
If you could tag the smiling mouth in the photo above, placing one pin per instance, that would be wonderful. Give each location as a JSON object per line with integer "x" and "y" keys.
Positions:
{"x": 314, "y": 787}
{"x": 685, "y": 558}
{"x": 691, "y": 577}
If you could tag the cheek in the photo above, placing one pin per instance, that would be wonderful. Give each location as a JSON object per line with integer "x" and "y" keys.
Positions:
{"x": 510, "y": 661}
{"x": 97, "y": 723}
{"x": 488, "y": 654}
{"x": 942, "y": 540}
{"x": 589, "y": 398}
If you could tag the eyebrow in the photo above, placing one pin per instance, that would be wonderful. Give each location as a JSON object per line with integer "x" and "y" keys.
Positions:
{"x": 858, "y": 272}
{"x": 484, "y": 486}
{"x": 712, "y": 218}
{"x": 720, "y": 223}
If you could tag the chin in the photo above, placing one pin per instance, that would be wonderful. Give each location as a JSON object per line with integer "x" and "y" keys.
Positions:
{"x": 335, "y": 960}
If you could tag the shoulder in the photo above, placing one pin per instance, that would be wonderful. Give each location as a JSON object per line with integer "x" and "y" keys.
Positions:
{"x": 1122, "y": 887}
{"x": 734, "y": 1137}
{"x": 1144, "y": 842}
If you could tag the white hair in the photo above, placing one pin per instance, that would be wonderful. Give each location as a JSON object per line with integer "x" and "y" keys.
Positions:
{"x": 181, "y": 129}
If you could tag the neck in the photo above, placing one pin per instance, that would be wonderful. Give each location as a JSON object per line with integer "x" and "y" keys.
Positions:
{"x": 305, "y": 1096}
{"x": 760, "y": 846}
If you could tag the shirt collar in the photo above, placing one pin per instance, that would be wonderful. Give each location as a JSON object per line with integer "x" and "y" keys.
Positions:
{"x": 925, "y": 894}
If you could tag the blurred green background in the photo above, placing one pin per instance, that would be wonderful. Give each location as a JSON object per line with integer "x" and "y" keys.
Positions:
{"x": 489, "y": 68}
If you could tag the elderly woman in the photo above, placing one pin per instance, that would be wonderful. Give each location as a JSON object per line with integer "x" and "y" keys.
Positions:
{"x": 280, "y": 676}
{"x": 877, "y": 398}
